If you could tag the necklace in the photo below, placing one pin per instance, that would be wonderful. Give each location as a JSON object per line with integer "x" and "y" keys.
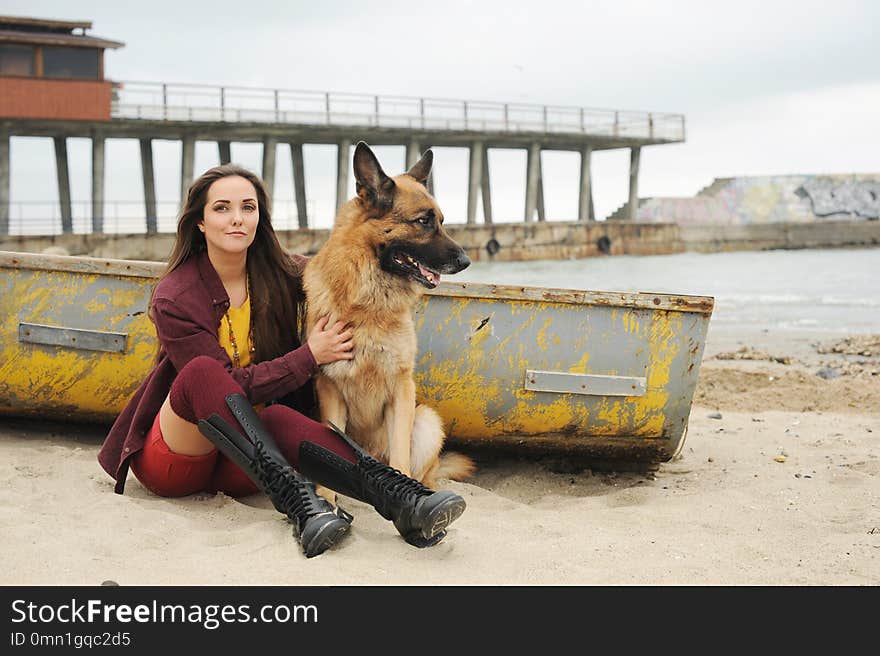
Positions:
{"x": 236, "y": 357}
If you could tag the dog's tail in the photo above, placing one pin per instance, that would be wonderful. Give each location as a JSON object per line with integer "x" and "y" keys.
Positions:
{"x": 455, "y": 466}
{"x": 427, "y": 441}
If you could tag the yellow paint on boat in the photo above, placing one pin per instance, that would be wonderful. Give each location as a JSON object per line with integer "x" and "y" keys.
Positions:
{"x": 61, "y": 380}
{"x": 466, "y": 398}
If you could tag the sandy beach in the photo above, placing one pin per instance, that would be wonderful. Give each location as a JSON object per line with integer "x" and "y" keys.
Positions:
{"x": 778, "y": 483}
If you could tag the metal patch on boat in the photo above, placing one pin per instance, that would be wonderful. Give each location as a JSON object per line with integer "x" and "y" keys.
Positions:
{"x": 78, "y": 338}
{"x": 591, "y": 384}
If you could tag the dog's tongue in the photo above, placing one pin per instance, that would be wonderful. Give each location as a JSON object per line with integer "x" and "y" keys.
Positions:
{"x": 433, "y": 278}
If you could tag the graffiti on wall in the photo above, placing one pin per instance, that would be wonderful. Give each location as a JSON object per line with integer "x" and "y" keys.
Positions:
{"x": 772, "y": 199}
{"x": 860, "y": 197}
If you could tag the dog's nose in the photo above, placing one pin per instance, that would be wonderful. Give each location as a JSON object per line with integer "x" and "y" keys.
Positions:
{"x": 463, "y": 262}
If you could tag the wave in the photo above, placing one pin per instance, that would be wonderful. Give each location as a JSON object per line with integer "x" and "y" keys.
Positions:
{"x": 795, "y": 299}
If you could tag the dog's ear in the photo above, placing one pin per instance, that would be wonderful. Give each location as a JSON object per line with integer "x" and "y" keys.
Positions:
{"x": 372, "y": 184}
{"x": 422, "y": 169}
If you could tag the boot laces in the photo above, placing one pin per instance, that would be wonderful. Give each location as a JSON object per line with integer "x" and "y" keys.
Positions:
{"x": 291, "y": 495}
{"x": 392, "y": 484}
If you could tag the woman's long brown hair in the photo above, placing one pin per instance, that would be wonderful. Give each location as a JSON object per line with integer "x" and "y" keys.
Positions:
{"x": 272, "y": 274}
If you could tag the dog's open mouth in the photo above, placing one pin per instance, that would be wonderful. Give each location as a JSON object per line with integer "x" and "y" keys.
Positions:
{"x": 411, "y": 267}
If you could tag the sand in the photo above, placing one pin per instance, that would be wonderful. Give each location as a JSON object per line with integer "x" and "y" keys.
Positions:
{"x": 783, "y": 488}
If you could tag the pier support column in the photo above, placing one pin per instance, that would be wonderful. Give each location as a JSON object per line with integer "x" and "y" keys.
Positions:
{"x": 187, "y": 165}
{"x": 5, "y": 186}
{"x": 342, "y": 166}
{"x": 97, "y": 184}
{"x": 541, "y": 214}
{"x": 475, "y": 177}
{"x": 635, "y": 154}
{"x": 269, "y": 144}
{"x": 485, "y": 189}
{"x": 225, "y": 152}
{"x": 533, "y": 175}
{"x": 299, "y": 184}
{"x": 585, "y": 198}
{"x": 412, "y": 154}
{"x": 149, "y": 185}
{"x": 63, "y": 184}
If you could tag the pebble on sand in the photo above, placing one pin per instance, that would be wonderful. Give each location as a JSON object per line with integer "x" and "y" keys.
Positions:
{"x": 827, "y": 373}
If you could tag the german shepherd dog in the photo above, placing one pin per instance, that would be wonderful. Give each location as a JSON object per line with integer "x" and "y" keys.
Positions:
{"x": 387, "y": 244}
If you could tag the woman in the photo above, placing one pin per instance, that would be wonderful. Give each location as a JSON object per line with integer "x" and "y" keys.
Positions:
{"x": 227, "y": 313}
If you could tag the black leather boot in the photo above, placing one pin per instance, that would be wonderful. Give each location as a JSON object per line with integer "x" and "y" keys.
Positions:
{"x": 315, "y": 523}
{"x": 419, "y": 514}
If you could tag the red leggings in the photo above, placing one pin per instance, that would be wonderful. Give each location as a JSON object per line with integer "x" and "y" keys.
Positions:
{"x": 170, "y": 474}
{"x": 199, "y": 390}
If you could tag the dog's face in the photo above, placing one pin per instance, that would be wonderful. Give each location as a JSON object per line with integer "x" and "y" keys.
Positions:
{"x": 406, "y": 224}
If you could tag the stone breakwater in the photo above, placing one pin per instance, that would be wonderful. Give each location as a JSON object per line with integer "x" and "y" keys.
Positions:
{"x": 517, "y": 242}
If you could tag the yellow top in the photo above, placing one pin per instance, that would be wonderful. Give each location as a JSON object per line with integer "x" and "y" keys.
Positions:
{"x": 241, "y": 326}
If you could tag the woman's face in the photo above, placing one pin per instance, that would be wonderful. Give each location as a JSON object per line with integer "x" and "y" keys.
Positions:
{"x": 230, "y": 216}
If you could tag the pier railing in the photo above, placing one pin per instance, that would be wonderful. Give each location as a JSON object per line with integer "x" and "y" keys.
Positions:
{"x": 196, "y": 102}
{"x": 31, "y": 218}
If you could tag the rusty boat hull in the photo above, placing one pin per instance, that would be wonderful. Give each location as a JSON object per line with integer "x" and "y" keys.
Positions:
{"x": 601, "y": 375}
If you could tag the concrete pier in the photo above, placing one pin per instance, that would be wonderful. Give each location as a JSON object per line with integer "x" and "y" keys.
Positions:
{"x": 300, "y": 118}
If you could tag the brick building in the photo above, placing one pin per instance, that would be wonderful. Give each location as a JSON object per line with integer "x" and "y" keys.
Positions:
{"x": 53, "y": 70}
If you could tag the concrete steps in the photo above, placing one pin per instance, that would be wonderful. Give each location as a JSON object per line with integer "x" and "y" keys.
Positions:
{"x": 621, "y": 213}
{"x": 717, "y": 185}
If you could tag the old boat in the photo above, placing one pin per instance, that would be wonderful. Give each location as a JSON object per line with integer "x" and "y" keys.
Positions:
{"x": 597, "y": 375}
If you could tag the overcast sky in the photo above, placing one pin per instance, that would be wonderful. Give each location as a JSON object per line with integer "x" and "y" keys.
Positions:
{"x": 766, "y": 87}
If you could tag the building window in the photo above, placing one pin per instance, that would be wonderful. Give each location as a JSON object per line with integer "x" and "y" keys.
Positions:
{"x": 17, "y": 60}
{"x": 77, "y": 63}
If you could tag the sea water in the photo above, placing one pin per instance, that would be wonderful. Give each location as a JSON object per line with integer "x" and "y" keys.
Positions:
{"x": 834, "y": 291}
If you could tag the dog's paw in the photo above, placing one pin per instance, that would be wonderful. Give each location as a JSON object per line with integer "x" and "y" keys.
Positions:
{"x": 327, "y": 493}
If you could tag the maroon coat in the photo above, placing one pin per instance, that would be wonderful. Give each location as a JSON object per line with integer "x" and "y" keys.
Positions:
{"x": 188, "y": 306}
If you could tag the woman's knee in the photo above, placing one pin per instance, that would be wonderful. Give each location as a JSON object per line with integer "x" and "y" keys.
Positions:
{"x": 200, "y": 389}
{"x": 198, "y": 372}
{"x": 202, "y": 365}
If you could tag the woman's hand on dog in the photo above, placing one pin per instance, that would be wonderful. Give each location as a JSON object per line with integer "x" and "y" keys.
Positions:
{"x": 331, "y": 344}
